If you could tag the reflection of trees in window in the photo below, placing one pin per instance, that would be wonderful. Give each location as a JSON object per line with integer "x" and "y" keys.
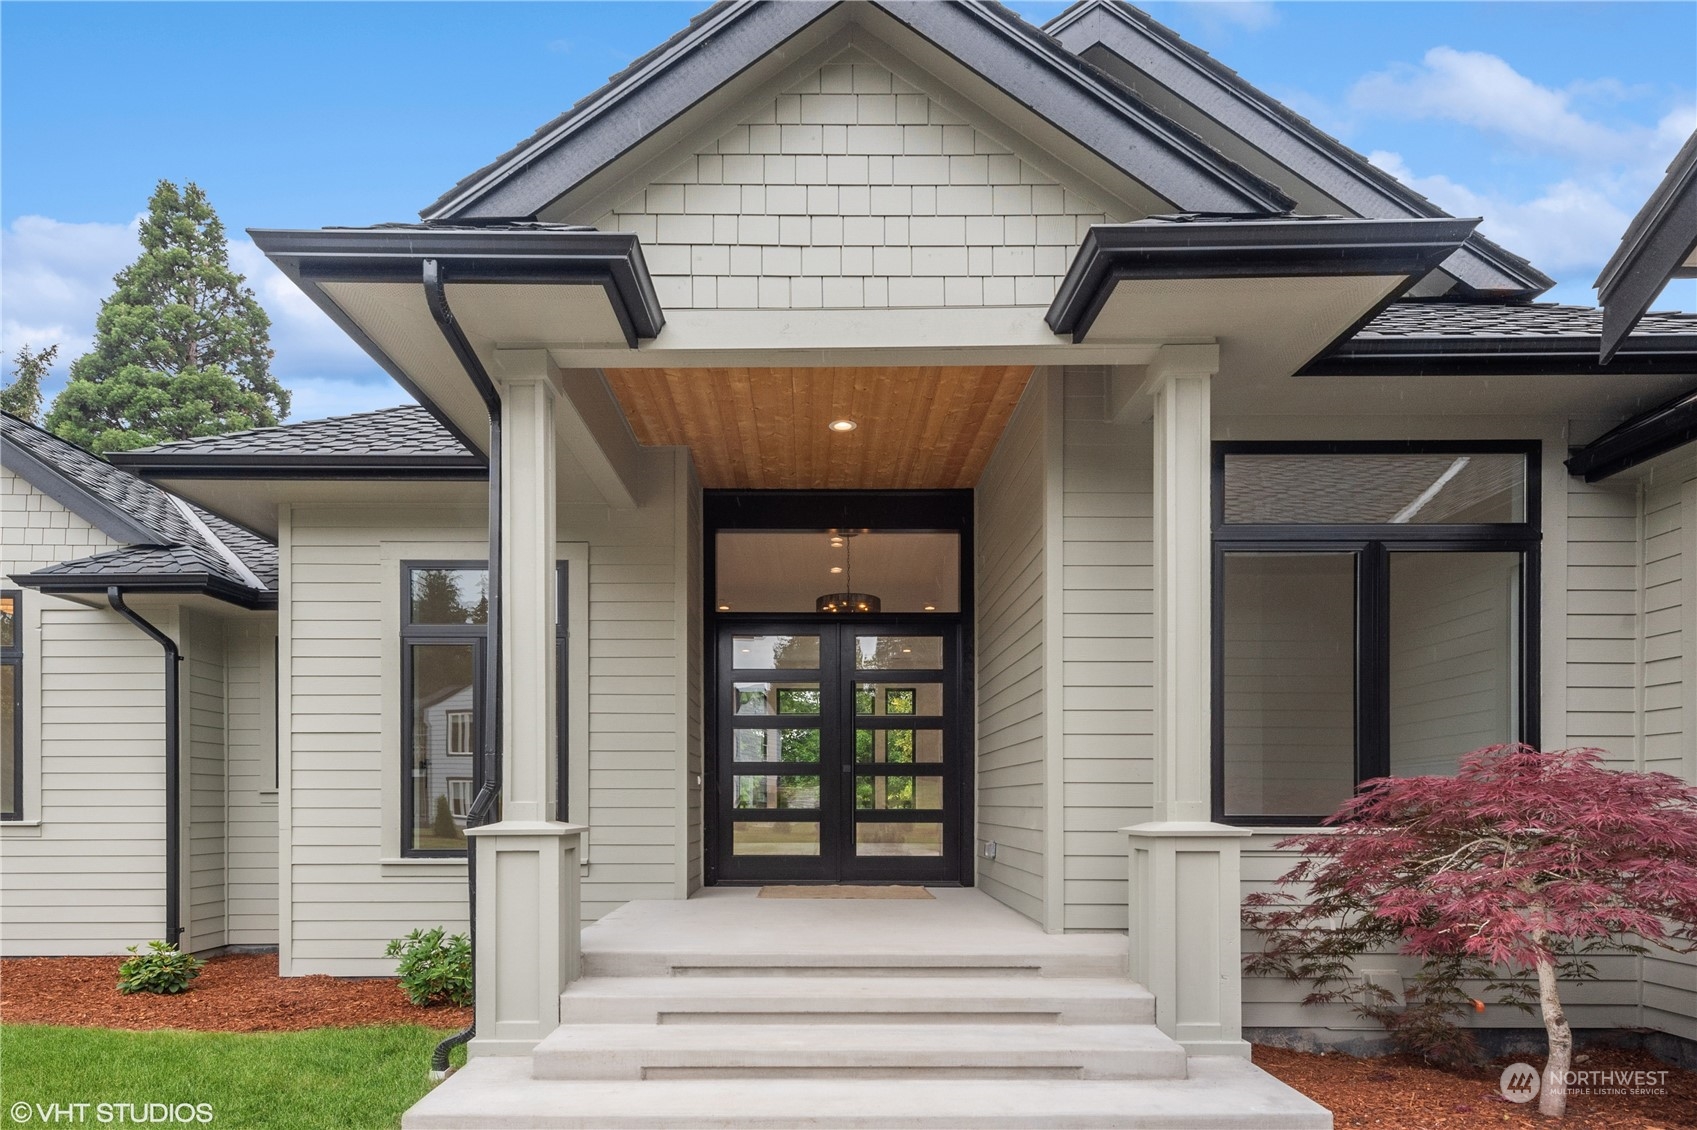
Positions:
{"x": 450, "y": 596}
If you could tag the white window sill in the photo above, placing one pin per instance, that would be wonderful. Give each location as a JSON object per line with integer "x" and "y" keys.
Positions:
{"x": 20, "y": 829}
{"x": 423, "y": 868}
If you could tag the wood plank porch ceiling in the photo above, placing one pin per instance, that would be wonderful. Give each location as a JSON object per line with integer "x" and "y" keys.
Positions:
{"x": 920, "y": 428}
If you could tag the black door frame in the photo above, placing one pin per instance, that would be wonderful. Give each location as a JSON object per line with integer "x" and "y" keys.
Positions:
{"x": 934, "y": 511}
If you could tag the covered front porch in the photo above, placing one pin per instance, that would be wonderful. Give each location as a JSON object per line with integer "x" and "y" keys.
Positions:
{"x": 736, "y": 1009}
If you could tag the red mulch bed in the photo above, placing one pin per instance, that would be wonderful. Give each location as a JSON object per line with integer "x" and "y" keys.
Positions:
{"x": 237, "y": 993}
{"x": 1402, "y": 1093}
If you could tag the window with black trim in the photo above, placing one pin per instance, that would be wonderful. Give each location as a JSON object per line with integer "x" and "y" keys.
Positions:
{"x": 1375, "y": 614}
{"x": 444, "y": 622}
{"x": 11, "y": 705}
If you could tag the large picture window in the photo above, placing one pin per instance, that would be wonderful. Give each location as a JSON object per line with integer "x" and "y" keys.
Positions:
{"x": 11, "y": 705}
{"x": 443, "y": 630}
{"x": 1375, "y": 614}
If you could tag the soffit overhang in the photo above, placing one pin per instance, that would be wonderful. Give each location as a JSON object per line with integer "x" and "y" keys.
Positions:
{"x": 255, "y": 501}
{"x": 987, "y": 54}
{"x": 1273, "y": 293}
{"x": 522, "y": 286}
{"x": 1637, "y": 441}
{"x": 1272, "y": 140}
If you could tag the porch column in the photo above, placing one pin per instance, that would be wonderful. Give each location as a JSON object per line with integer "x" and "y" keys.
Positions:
{"x": 528, "y": 911}
{"x": 1184, "y": 868}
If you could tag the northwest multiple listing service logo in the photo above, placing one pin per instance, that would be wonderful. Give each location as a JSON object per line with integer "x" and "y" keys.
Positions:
{"x": 1519, "y": 1083}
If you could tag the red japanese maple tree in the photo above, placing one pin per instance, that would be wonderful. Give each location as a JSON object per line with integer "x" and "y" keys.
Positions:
{"x": 1517, "y": 864}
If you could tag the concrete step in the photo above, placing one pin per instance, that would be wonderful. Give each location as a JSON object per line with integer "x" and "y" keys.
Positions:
{"x": 1219, "y": 1094}
{"x": 1093, "y": 961}
{"x": 860, "y": 1051}
{"x": 808, "y": 998}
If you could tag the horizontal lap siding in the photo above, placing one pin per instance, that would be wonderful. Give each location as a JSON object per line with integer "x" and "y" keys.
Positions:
{"x": 1602, "y": 620}
{"x": 251, "y": 702}
{"x": 1010, "y": 670}
{"x": 202, "y": 641}
{"x": 1107, "y": 663}
{"x": 91, "y": 878}
{"x": 1670, "y": 699}
{"x": 345, "y": 902}
{"x": 342, "y": 908}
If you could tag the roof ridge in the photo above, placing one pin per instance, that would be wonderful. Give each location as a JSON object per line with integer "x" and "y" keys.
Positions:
{"x": 278, "y": 427}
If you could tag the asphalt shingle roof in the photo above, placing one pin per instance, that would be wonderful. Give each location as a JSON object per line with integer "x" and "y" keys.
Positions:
{"x": 1492, "y": 320}
{"x": 178, "y": 544}
{"x": 406, "y": 430}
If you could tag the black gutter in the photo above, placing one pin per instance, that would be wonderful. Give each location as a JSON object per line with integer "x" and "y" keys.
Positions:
{"x": 483, "y": 804}
{"x": 169, "y": 584}
{"x": 1527, "y": 355}
{"x": 1219, "y": 247}
{"x": 1638, "y": 440}
{"x": 173, "y": 768}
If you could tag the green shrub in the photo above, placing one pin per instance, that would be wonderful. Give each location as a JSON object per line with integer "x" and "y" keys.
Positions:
{"x": 162, "y": 969}
{"x": 443, "y": 826}
{"x": 435, "y": 967}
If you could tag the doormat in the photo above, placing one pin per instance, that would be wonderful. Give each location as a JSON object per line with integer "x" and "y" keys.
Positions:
{"x": 844, "y": 892}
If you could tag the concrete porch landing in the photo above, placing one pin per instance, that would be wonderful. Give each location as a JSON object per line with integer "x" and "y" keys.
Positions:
{"x": 729, "y": 1010}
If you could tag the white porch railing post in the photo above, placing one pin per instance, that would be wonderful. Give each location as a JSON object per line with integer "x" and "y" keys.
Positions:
{"x": 1184, "y": 869}
{"x": 528, "y": 908}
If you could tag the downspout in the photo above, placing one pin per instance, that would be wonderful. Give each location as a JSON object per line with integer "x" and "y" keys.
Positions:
{"x": 173, "y": 774}
{"x": 483, "y": 804}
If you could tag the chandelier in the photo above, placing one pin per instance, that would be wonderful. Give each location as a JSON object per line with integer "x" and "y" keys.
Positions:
{"x": 848, "y": 602}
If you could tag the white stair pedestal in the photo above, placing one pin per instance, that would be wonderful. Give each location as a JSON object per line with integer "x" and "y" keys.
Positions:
{"x": 1184, "y": 931}
{"x": 529, "y": 922}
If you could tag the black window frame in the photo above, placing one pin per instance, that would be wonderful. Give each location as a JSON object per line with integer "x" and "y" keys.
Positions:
{"x": 412, "y": 634}
{"x": 478, "y": 634}
{"x": 1372, "y": 545}
{"x": 12, "y": 655}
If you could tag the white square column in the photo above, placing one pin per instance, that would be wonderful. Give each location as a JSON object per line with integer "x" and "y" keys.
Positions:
{"x": 1185, "y": 869}
{"x": 529, "y": 914}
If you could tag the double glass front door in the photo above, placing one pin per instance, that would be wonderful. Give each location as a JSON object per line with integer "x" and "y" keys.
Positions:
{"x": 836, "y": 751}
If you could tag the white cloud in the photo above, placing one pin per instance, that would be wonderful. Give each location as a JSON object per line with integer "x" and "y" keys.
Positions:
{"x": 1484, "y": 91}
{"x": 1568, "y": 226}
{"x": 1244, "y": 15}
{"x": 56, "y": 274}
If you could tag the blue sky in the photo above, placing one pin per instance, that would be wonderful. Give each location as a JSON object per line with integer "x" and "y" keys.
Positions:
{"x": 1553, "y": 121}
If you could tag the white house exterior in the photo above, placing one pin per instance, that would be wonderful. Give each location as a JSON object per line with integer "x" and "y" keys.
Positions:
{"x": 1250, "y": 470}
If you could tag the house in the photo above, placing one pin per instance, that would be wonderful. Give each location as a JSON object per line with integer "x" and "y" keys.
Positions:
{"x": 873, "y": 443}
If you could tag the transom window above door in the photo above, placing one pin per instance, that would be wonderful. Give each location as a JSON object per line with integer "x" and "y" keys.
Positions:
{"x": 784, "y": 571}
{"x": 1375, "y": 614}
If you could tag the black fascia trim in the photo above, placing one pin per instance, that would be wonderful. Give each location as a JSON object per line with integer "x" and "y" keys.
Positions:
{"x": 1638, "y": 440}
{"x": 1030, "y": 66}
{"x": 257, "y": 467}
{"x": 72, "y": 495}
{"x": 171, "y": 584}
{"x": 478, "y": 256}
{"x": 1653, "y": 250}
{"x": 1103, "y": 24}
{"x": 1513, "y": 356}
{"x": 1098, "y": 111}
{"x": 1204, "y": 249}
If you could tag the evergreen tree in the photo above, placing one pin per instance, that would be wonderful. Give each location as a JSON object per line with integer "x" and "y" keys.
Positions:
{"x": 22, "y": 398}
{"x": 181, "y": 348}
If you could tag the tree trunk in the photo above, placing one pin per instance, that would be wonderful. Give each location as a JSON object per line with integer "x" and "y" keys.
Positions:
{"x": 1552, "y": 1098}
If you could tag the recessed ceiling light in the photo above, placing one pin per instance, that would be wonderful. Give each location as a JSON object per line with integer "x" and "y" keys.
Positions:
{"x": 842, "y": 425}
{"x": 724, "y": 608}
{"x": 928, "y": 608}
{"x": 907, "y": 651}
{"x": 836, "y": 568}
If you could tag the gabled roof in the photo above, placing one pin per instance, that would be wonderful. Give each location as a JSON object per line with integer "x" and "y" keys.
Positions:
{"x": 185, "y": 540}
{"x": 1659, "y": 244}
{"x": 1126, "y": 41}
{"x": 404, "y": 441}
{"x": 1504, "y": 338}
{"x": 735, "y": 35}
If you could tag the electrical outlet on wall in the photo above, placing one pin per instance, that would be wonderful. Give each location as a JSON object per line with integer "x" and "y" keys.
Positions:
{"x": 989, "y": 849}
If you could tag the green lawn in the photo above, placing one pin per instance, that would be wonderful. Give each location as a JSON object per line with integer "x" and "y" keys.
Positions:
{"x": 325, "y": 1078}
